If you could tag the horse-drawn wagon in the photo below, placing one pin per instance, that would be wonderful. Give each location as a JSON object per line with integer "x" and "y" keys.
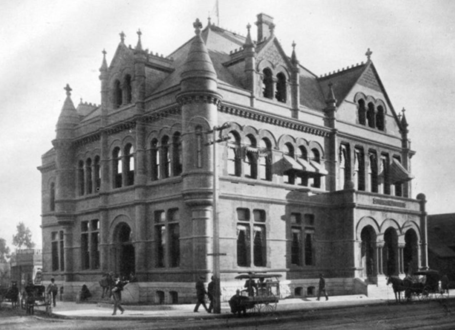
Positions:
{"x": 261, "y": 293}
{"x": 36, "y": 296}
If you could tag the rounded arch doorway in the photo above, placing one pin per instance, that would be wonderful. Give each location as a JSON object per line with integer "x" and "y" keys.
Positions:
{"x": 124, "y": 250}
{"x": 410, "y": 252}
{"x": 390, "y": 252}
{"x": 368, "y": 248}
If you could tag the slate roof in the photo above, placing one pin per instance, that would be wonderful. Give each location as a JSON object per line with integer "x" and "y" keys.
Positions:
{"x": 441, "y": 234}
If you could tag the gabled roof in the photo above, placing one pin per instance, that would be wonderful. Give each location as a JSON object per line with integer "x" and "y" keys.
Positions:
{"x": 343, "y": 81}
{"x": 441, "y": 233}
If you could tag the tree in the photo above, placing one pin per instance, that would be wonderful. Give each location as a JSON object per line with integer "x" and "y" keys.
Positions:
{"x": 23, "y": 237}
{"x": 4, "y": 249}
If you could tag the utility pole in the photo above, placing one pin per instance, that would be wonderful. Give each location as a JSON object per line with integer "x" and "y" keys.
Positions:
{"x": 216, "y": 233}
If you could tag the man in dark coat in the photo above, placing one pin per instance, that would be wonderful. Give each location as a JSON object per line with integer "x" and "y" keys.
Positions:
{"x": 211, "y": 293}
{"x": 117, "y": 294}
{"x": 322, "y": 287}
{"x": 238, "y": 304}
{"x": 200, "y": 294}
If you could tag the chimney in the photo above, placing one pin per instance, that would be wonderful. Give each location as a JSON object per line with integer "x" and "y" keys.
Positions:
{"x": 265, "y": 26}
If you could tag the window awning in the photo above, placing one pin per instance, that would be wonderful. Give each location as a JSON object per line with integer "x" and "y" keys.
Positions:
{"x": 291, "y": 164}
{"x": 319, "y": 168}
{"x": 307, "y": 167}
{"x": 398, "y": 174}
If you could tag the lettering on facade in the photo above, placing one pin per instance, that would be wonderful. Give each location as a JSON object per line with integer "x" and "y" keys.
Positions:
{"x": 388, "y": 203}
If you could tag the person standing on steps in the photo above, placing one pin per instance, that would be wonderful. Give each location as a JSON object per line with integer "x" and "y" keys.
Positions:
{"x": 322, "y": 287}
{"x": 200, "y": 294}
{"x": 117, "y": 294}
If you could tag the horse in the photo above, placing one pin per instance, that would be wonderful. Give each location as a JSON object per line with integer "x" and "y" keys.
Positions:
{"x": 107, "y": 283}
{"x": 398, "y": 286}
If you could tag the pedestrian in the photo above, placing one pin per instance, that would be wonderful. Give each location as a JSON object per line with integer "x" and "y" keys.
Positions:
{"x": 52, "y": 290}
{"x": 117, "y": 294}
{"x": 211, "y": 293}
{"x": 200, "y": 294}
{"x": 445, "y": 284}
{"x": 322, "y": 287}
{"x": 251, "y": 286}
{"x": 61, "y": 293}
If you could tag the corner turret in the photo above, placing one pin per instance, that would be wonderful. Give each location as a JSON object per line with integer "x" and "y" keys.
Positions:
{"x": 68, "y": 117}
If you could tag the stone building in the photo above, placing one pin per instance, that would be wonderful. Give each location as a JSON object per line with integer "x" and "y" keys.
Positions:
{"x": 311, "y": 174}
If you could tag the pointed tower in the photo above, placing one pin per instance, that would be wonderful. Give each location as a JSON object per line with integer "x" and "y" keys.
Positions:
{"x": 68, "y": 117}
{"x": 405, "y": 152}
{"x": 295, "y": 83}
{"x": 250, "y": 65}
{"x": 104, "y": 90}
{"x": 198, "y": 99}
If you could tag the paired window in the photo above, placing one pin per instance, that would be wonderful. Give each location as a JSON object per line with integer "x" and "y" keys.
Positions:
{"x": 302, "y": 167}
{"x": 167, "y": 238}
{"x": 302, "y": 239}
{"x": 123, "y": 166}
{"x": 274, "y": 87}
{"x": 88, "y": 176}
{"x": 251, "y": 238}
{"x": 122, "y": 92}
{"x": 57, "y": 250}
{"x": 90, "y": 235}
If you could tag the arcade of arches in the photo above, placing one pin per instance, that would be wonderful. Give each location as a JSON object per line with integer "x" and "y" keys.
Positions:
{"x": 388, "y": 252}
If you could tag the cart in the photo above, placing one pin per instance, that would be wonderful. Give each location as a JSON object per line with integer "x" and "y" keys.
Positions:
{"x": 36, "y": 296}
{"x": 261, "y": 293}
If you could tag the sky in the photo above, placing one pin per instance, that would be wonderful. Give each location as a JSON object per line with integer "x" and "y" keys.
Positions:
{"x": 47, "y": 44}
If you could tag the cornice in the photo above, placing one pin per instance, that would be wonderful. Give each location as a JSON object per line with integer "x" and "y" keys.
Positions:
{"x": 274, "y": 120}
{"x": 199, "y": 97}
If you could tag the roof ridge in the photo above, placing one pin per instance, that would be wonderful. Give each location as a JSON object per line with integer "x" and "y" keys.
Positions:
{"x": 343, "y": 70}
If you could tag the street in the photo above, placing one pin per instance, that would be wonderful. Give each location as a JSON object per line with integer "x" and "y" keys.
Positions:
{"x": 419, "y": 315}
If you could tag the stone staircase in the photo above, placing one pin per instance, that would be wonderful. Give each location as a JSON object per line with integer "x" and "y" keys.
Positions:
{"x": 380, "y": 289}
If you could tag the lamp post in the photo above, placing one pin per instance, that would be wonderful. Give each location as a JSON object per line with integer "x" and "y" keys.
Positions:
{"x": 216, "y": 233}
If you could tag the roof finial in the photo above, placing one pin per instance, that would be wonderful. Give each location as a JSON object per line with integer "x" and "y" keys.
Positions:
{"x": 104, "y": 63}
{"x": 331, "y": 97}
{"x": 122, "y": 37}
{"x": 248, "y": 41}
{"x": 404, "y": 122}
{"x": 68, "y": 90}
{"x": 139, "y": 43}
{"x": 294, "y": 56}
{"x": 198, "y": 26}
{"x": 368, "y": 54}
{"x": 209, "y": 19}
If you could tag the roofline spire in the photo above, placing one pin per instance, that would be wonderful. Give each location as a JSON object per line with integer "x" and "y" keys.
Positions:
{"x": 197, "y": 26}
{"x": 331, "y": 99}
{"x": 139, "y": 43}
{"x": 68, "y": 90}
{"x": 368, "y": 54}
{"x": 248, "y": 41}
{"x": 122, "y": 38}
{"x": 294, "y": 56}
{"x": 104, "y": 63}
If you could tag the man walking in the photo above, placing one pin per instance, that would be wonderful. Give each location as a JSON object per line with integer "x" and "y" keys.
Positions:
{"x": 211, "y": 293}
{"x": 200, "y": 294}
{"x": 117, "y": 294}
{"x": 322, "y": 287}
{"x": 52, "y": 290}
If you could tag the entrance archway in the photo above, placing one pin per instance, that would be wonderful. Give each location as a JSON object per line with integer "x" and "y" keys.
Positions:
{"x": 390, "y": 252}
{"x": 410, "y": 252}
{"x": 125, "y": 256}
{"x": 368, "y": 248}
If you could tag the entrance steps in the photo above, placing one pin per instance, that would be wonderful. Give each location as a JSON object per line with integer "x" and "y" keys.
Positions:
{"x": 377, "y": 288}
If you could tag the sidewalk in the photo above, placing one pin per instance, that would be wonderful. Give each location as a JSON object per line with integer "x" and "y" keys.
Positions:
{"x": 104, "y": 311}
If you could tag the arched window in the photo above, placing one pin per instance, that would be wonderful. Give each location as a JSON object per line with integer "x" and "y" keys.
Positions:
{"x": 52, "y": 197}
{"x": 88, "y": 173}
{"x": 385, "y": 174}
{"x": 97, "y": 174}
{"x": 166, "y": 157}
{"x": 127, "y": 89}
{"x": 280, "y": 94}
{"x": 117, "y": 167}
{"x": 316, "y": 157}
{"x": 129, "y": 164}
{"x": 242, "y": 245}
{"x": 265, "y": 160}
{"x": 259, "y": 256}
{"x": 81, "y": 178}
{"x": 199, "y": 146}
{"x": 345, "y": 165}
{"x": 359, "y": 169}
{"x": 155, "y": 160}
{"x": 250, "y": 161}
{"x": 177, "y": 154}
{"x": 289, "y": 176}
{"x": 234, "y": 158}
{"x": 398, "y": 185}
{"x": 302, "y": 154}
{"x": 267, "y": 83}
{"x": 117, "y": 97}
{"x": 380, "y": 118}
{"x": 373, "y": 173}
{"x": 371, "y": 115}
{"x": 362, "y": 112}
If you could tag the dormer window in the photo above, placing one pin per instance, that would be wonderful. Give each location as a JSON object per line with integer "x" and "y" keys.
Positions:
{"x": 280, "y": 94}
{"x": 267, "y": 83}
